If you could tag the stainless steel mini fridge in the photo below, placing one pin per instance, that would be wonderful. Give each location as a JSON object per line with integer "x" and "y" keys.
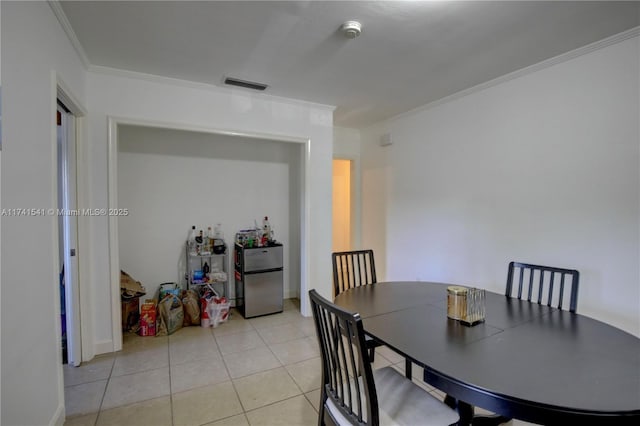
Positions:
{"x": 259, "y": 280}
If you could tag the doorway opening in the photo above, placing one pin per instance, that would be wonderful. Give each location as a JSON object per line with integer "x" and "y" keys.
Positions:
{"x": 299, "y": 200}
{"x": 342, "y": 205}
{"x": 67, "y": 214}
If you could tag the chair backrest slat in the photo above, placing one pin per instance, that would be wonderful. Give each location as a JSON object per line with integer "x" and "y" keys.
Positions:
{"x": 540, "y": 288}
{"x": 347, "y": 376}
{"x": 545, "y": 292}
{"x": 352, "y": 269}
{"x": 520, "y": 285}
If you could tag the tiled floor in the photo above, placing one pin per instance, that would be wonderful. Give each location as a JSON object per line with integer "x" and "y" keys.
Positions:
{"x": 261, "y": 371}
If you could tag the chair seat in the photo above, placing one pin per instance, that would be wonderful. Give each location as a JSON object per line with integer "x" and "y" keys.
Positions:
{"x": 402, "y": 402}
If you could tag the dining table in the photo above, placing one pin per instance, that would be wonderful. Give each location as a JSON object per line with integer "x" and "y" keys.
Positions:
{"x": 525, "y": 361}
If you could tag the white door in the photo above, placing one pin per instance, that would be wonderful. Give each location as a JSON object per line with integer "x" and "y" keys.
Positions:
{"x": 69, "y": 236}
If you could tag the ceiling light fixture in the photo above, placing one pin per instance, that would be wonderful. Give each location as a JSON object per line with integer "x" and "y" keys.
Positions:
{"x": 351, "y": 29}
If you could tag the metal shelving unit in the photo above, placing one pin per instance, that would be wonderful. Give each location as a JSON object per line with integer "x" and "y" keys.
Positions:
{"x": 195, "y": 275}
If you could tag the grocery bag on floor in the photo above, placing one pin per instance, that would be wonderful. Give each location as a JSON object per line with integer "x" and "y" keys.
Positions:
{"x": 214, "y": 309}
{"x": 191, "y": 308}
{"x": 219, "y": 310}
{"x": 170, "y": 315}
{"x": 204, "y": 311}
{"x": 169, "y": 288}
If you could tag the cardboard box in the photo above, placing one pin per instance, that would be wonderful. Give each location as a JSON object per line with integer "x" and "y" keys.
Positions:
{"x": 130, "y": 287}
{"x": 148, "y": 313}
{"x": 130, "y": 313}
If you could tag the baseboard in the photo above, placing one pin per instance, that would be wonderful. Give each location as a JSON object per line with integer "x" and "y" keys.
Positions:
{"x": 58, "y": 417}
{"x": 292, "y": 294}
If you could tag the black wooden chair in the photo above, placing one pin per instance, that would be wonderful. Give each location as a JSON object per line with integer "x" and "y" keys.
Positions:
{"x": 354, "y": 269}
{"x": 352, "y": 392}
{"x": 544, "y": 285}
{"x": 535, "y": 283}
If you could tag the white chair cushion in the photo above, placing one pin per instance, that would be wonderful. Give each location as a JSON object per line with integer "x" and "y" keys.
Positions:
{"x": 402, "y": 402}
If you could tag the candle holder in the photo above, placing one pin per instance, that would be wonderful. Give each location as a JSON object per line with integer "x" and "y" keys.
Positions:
{"x": 466, "y": 305}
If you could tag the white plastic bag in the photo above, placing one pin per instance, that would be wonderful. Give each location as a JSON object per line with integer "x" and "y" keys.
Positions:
{"x": 218, "y": 310}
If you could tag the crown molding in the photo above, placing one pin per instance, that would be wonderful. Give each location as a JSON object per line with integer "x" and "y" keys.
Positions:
{"x": 564, "y": 57}
{"x": 71, "y": 35}
{"x": 158, "y": 79}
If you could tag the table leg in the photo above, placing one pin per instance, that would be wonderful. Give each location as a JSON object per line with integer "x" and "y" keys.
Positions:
{"x": 465, "y": 411}
{"x": 467, "y": 416}
{"x": 489, "y": 420}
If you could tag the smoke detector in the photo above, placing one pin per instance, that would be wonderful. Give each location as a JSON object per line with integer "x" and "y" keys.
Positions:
{"x": 351, "y": 29}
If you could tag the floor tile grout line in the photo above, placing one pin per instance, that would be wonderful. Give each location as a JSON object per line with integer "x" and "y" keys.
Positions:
{"x": 141, "y": 371}
{"x": 224, "y": 362}
{"x": 233, "y": 382}
{"x": 239, "y": 377}
{"x": 226, "y": 418}
{"x": 293, "y": 379}
{"x": 202, "y": 386}
{"x": 314, "y": 407}
{"x": 143, "y": 400}
{"x": 86, "y": 383}
{"x": 235, "y": 389}
{"x": 278, "y": 402}
{"x": 104, "y": 394}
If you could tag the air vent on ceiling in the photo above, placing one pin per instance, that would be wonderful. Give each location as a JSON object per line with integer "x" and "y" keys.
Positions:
{"x": 244, "y": 83}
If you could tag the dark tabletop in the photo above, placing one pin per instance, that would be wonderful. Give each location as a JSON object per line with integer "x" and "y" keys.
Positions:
{"x": 525, "y": 361}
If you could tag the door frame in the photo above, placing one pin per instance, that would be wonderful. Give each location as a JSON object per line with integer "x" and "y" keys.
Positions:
{"x": 61, "y": 91}
{"x": 112, "y": 170}
{"x": 67, "y": 200}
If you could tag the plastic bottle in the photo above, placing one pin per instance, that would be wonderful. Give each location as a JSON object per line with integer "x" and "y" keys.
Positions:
{"x": 266, "y": 230}
{"x": 191, "y": 240}
{"x": 218, "y": 232}
{"x": 206, "y": 244}
{"x": 210, "y": 239}
{"x": 199, "y": 241}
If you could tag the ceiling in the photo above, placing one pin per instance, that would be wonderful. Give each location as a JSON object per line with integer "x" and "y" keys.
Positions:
{"x": 410, "y": 53}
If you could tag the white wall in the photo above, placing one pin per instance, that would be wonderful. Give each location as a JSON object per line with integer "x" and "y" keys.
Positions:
{"x": 376, "y": 173}
{"x": 170, "y": 180}
{"x": 33, "y": 45}
{"x": 346, "y": 142}
{"x": 0, "y": 182}
{"x": 196, "y": 106}
{"x": 542, "y": 169}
